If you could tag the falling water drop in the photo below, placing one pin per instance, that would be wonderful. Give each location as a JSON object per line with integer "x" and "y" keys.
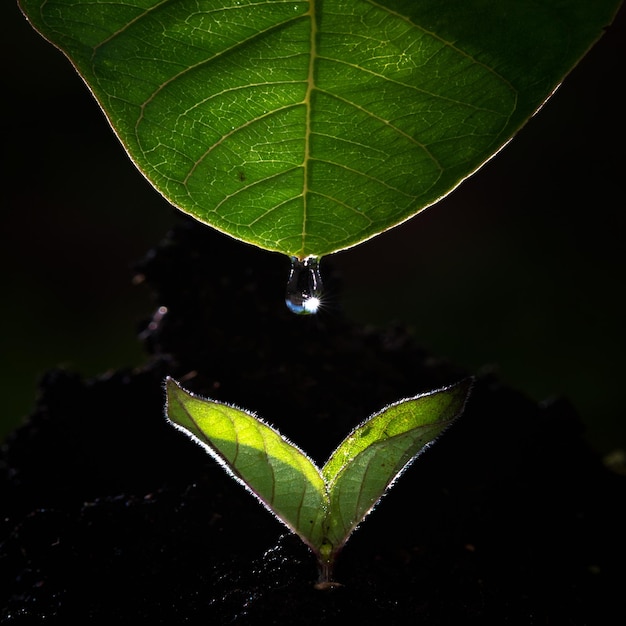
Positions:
{"x": 304, "y": 288}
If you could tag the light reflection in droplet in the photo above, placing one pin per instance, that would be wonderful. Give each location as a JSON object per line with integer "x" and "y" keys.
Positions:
{"x": 304, "y": 287}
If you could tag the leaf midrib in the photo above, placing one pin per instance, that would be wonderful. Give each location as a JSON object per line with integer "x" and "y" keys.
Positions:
{"x": 308, "y": 108}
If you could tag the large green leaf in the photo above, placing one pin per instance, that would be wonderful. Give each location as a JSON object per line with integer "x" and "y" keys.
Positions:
{"x": 308, "y": 126}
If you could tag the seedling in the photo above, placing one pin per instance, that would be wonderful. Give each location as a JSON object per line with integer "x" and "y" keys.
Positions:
{"x": 323, "y": 507}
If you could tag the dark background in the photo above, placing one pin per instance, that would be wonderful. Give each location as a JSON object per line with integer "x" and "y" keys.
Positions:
{"x": 519, "y": 270}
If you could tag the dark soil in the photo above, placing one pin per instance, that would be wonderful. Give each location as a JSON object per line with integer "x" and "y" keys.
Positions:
{"x": 110, "y": 516}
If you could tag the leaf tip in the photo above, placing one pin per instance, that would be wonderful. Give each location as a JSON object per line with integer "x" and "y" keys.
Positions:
{"x": 174, "y": 388}
{"x": 173, "y": 392}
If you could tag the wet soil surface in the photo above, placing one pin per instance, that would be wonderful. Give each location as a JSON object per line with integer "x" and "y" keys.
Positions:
{"x": 110, "y": 516}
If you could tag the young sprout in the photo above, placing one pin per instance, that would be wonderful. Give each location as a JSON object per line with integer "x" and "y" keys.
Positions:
{"x": 323, "y": 507}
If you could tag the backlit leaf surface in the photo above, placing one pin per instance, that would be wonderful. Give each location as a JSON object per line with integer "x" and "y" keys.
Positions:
{"x": 308, "y": 126}
{"x": 367, "y": 462}
{"x": 281, "y": 476}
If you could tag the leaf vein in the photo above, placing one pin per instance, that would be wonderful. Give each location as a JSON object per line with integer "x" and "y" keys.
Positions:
{"x": 366, "y": 175}
{"x": 221, "y": 53}
{"x": 387, "y": 123}
{"x": 447, "y": 43}
{"x": 234, "y": 131}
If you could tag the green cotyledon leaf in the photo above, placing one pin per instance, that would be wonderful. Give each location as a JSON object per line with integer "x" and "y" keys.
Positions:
{"x": 282, "y": 477}
{"x": 309, "y": 126}
{"x": 325, "y": 507}
{"x": 370, "y": 459}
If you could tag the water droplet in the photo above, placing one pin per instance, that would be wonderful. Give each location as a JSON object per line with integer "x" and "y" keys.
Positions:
{"x": 304, "y": 288}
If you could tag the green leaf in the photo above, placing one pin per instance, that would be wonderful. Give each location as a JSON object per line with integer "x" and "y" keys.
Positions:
{"x": 308, "y": 126}
{"x": 275, "y": 471}
{"x": 325, "y": 507}
{"x": 370, "y": 459}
